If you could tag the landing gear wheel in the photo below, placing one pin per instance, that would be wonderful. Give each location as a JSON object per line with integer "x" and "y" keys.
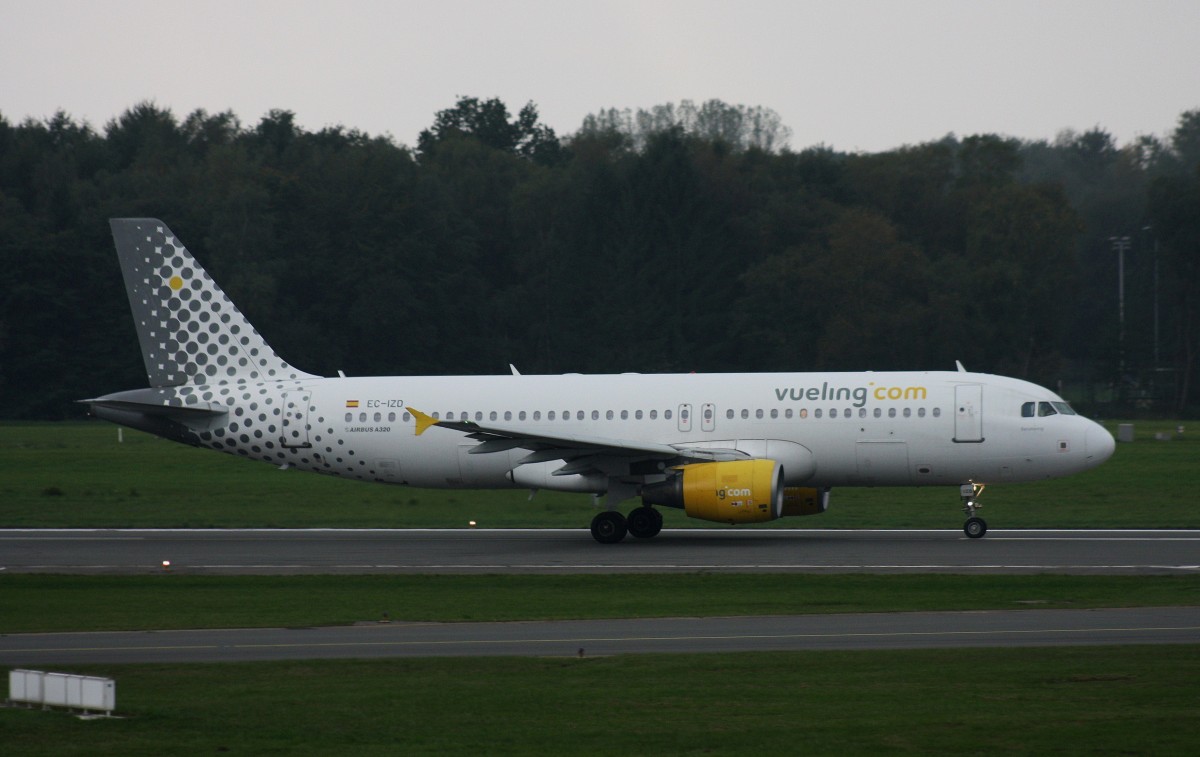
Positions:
{"x": 975, "y": 527}
{"x": 609, "y": 527}
{"x": 644, "y": 522}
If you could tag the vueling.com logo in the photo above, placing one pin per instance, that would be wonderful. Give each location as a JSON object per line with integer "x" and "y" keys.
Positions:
{"x": 856, "y": 396}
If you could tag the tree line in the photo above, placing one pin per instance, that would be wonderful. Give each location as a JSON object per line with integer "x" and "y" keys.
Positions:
{"x": 683, "y": 238}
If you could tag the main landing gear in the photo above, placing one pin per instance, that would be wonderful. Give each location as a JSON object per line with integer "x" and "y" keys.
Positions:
{"x": 975, "y": 527}
{"x": 610, "y": 527}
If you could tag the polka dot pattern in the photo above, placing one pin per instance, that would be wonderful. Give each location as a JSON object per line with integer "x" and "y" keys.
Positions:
{"x": 189, "y": 330}
{"x": 202, "y": 353}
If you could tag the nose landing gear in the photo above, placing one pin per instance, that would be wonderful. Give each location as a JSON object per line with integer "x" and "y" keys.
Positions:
{"x": 975, "y": 527}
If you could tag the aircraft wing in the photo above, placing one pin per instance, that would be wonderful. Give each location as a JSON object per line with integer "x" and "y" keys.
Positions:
{"x": 578, "y": 452}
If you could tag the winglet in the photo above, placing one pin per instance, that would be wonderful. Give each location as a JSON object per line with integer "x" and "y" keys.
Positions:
{"x": 423, "y": 421}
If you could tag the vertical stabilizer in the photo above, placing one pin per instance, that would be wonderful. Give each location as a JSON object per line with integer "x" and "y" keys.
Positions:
{"x": 189, "y": 330}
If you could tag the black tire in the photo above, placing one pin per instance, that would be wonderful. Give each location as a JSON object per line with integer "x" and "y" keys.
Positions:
{"x": 975, "y": 528}
{"x": 644, "y": 522}
{"x": 609, "y": 527}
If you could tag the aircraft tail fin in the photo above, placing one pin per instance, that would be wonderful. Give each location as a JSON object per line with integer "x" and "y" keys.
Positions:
{"x": 190, "y": 332}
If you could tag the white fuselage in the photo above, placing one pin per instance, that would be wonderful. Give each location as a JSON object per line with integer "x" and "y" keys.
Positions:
{"x": 860, "y": 429}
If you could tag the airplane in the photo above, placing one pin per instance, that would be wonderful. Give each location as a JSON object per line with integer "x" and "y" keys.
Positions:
{"x": 729, "y": 448}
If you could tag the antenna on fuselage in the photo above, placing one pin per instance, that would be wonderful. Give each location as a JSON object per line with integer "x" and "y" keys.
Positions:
{"x": 960, "y": 366}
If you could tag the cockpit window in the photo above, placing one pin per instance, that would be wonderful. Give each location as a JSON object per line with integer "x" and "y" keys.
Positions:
{"x": 1045, "y": 408}
{"x": 1028, "y": 410}
{"x": 1064, "y": 408}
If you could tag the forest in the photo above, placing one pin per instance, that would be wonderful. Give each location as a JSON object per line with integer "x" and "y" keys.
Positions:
{"x": 682, "y": 238}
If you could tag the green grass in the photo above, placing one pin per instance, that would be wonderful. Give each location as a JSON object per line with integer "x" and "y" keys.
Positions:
{"x": 1069, "y": 700}
{"x": 77, "y": 475}
{"x": 31, "y": 602}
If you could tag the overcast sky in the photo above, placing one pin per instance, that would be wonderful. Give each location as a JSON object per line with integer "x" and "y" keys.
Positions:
{"x": 855, "y": 75}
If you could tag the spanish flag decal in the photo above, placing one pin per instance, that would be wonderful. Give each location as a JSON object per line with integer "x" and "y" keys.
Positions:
{"x": 351, "y": 403}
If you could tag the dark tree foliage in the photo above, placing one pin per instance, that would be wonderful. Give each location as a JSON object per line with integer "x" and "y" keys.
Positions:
{"x": 488, "y": 122}
{"x": 681, "y": 249}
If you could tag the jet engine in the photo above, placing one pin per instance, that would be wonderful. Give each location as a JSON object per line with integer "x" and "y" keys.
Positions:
{"x": 803, "y": 500}
{"x": 737, "y": 491}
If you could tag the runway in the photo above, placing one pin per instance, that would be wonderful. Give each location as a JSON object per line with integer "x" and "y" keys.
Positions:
{"x": 1170, "y": 625}
{"x": 332, "y": 551}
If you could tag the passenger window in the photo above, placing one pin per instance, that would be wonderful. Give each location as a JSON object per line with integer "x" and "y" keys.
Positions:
{"x": 803, "y": 412}
{"x": 362, "y": 417}
{"x": 817, "y": 413}
{"x": 1027, "y": 410}
{"x": 774, "y": 414}
{"x": 937, "y": 412}
{"x": 378, "y": 417}
{"x": 492, "y": 416}
{"x": 891, "y": 412}
{"x": 667, "y": 414}
{"x": 608, "y": 415}
{"x": 745, "y": 413}
{"x": 920, "y": 412}
{"x": 1045, "y": 408}
{"x": 537, "y": 415}
{"x": 787, "y": 413}
{"x": 729, "y": 413}
{"x": 908, "y": 412}
{"x": 637, "y": 415}
{"x": 349, "y": 417}
{"x": 549, "y": 416}
{"x": 521, "y": 416}
{"x": 478, "y": 415}
{"x": 624, "y": 415}
{"x": 877, "y": 412}
{"x": 595, "y": 415}
{"x": 407, "y": 417}
{"x": 758, "y": 414}
{"x": 653, "y": 415}
{"x": 833, "y": 412}
{"x": 508, "y": 415}
{"x": 578, "y": 415}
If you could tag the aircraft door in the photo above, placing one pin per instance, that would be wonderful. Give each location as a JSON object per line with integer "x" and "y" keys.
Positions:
{"x": 708, "y": 416}
{"x": 685, "y": 417}
{"x": 968, "y": 413}
{"x": 293, "y": 432}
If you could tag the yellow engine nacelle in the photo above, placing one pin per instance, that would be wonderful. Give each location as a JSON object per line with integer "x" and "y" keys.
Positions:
{"x": 739, "y": 491}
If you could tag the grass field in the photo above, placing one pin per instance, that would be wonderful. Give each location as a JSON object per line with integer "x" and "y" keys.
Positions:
{"x": 1069, "y": 700}
{"x": 77, "y": 475}
{"x": 101, "y": 603}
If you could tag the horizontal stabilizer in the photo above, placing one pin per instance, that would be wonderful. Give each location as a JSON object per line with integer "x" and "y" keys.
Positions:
{"x": 174, "y": 412}
{"x": 155, "y": 406}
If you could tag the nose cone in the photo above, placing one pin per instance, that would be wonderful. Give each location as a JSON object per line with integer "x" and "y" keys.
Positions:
{"x": 1098, "y": 444}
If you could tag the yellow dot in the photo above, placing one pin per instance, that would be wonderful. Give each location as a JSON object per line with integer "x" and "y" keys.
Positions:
{"x": 175, "y": 283}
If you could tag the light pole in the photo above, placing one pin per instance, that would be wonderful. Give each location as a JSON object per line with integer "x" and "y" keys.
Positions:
{"x": 1120, "y": 244}
{"x": 1151, "y": 230}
